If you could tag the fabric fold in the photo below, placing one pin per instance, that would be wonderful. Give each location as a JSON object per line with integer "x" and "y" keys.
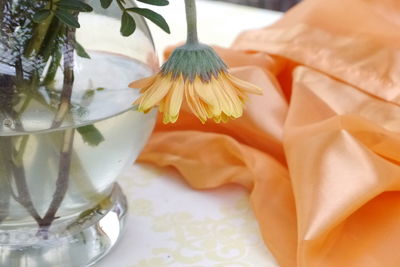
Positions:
{"x": 319, "y": 151}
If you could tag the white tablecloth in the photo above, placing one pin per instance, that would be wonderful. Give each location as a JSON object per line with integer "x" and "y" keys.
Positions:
{"x": 170, "y": 224}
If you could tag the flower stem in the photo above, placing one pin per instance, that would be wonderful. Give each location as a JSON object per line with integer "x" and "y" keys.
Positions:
{"x": 191, "y": 20}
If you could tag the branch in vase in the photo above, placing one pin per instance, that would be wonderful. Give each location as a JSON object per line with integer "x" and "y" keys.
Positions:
{"x": 24, "y": 197}
{"x": 61, "y": 183}
{"x": 5, "y": 187}
{"x": 14, "y": 166}
{"x": 19, "y": 71}
{"x": 16, "y": 170}
{"x": 2, "y": 8}
{"x": 65, "y": 99}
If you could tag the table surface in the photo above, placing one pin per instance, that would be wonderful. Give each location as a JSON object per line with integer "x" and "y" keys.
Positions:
{"x": 170, "y": 224}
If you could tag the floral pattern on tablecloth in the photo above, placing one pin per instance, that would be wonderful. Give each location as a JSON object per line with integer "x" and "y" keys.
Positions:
{"x": 173, "y": 225}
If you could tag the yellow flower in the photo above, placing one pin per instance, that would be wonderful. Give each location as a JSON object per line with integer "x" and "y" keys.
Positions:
{"x": 194, "y": 73}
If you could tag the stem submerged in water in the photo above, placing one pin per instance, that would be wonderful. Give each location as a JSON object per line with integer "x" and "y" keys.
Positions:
{"x": 68, "y": 82}
{"x": 43, "y": 44}
{"x": 23, "y": 86}
{"x": 5, "y": 187}
{"x": 16, "y": 170}
{"x": 61, "y": 183}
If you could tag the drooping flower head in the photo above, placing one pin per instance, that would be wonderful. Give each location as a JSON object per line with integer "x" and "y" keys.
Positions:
{"x": 195, "y": 73}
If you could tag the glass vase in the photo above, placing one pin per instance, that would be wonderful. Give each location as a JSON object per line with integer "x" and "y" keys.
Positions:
{"x": 67, "y": 129}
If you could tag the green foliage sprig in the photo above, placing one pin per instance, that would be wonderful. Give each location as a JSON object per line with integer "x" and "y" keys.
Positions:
{"x": 37, "y": 39}
{"x": 65, "y": 11}
{"x": 128, "y": 24}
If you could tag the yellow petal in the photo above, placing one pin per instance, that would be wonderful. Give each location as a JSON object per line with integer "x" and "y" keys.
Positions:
{"x": 217, "y": 119}
{"x": 161, "y": 106}
{"x": 225, "y": 103}
{"x": 204, "y": 90}
{"x": 206, "y": 93}
{"x": 241, "y": 94}
{"x": 232, "y": 106}
{"x": 173, "y": 101}
{"x": 156, "y": 92}
{"x": 145, "y": 92}
{"x": 222, "y": 118}
{"x": 137, "y": 102}
{"x": 194, "y": 103}
{"x": 143, "y": 83}
{"x": 210, "y": 111}
{"x": 169, "y": 119}
{"x": 245, "y": 86}
{"x": 231, "y": 93}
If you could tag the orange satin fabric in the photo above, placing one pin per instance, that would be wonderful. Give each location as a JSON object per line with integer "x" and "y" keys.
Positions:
{"x": 320, "y": 151}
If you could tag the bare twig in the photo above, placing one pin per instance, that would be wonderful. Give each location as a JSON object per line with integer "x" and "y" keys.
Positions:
{"x": 5, "y": 176}
{"x": 66, "y": 150}
{"x": 17, "y": 170}
{"x": 66, "y": 93}
{"x": 2, "y": 7}
{"x": 14, "y": 165}
{"x": 61, "y": 183}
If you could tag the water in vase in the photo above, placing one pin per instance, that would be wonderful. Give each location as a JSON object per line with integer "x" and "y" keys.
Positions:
{"x": 60, "y": 180}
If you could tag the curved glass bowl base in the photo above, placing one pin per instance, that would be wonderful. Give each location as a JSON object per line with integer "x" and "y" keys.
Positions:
{"x": 83, "y": 242}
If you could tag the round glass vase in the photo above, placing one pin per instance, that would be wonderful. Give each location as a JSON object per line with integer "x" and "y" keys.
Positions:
{"x": 67, "y": 130}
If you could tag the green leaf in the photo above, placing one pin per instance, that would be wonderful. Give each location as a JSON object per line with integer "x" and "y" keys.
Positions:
{"x": 128, "y": 24}
{"x": 74, "y": 5}
{"x": 91, "y": 135}
{"x": 105, "y": 3}
{"x": 153, "y": 16}
{"x": 155, "y": 2}
{"x": 41, "y": 15}
{"x": 67, "y": 18}
{"x": 80, "y": 50}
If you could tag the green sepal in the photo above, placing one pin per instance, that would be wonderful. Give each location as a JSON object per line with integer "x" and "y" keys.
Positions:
{"x": 191, "y": 60}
